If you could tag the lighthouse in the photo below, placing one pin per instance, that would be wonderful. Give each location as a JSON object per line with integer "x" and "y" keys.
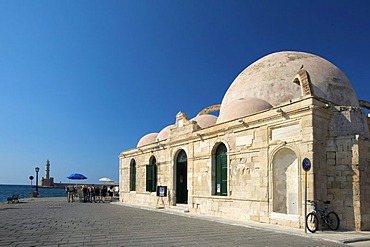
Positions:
{"x": 47, "y": 169}
{"x": 47, "y": 181}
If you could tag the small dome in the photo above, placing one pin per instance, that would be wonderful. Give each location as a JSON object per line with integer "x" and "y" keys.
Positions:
{"x": 271, "y": 79}
{"x": 242, "y": 108}
{"x": 205, "y": 120}
{"x": 164, "y": 133}
{"x": 147, "y": 139}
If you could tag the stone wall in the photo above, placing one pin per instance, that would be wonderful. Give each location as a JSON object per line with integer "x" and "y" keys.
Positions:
{"x": 265, "y": 181}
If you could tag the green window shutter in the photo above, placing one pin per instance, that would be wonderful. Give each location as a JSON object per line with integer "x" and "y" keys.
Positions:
{"x": 221, "y": 171}
{"x": 134, "y": 186}
{"x": 148, "y": 178}
{"x": 154, "y": 179}
{"x": 133, "y": 177}
{"x": 151, "y": 178}
{"x": 223, "y": 159}
{"x": 218, "y": 175}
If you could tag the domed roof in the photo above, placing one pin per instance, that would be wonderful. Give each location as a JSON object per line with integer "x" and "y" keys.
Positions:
{"x": 205, "y": 120}
{"x": 271, "y": 79}
{"x": 242, "y": 107}
{"x": 164, "y": 133}
{"x": 147, "y": 139}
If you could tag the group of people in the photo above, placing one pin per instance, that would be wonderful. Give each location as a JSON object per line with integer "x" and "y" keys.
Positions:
{"x": 91, "y": 193}
{"x": 96, "y": 194}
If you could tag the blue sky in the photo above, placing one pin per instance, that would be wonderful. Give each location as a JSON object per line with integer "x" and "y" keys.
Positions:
{"x": 81, "y": 81}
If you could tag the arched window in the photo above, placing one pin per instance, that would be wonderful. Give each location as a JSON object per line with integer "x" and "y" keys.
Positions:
{"x": 220, "y": 171}
{"x": 182, "y": 157}
{"x": 151, "y": 175}
{"x": 133, "y": 175}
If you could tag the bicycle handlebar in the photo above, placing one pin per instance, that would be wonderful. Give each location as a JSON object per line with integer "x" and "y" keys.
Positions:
{"x": 317, "y": 200}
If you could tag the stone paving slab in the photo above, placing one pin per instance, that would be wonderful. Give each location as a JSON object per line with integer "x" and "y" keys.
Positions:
{"x": 54, "y": 222}
{"x": 344, "y": 237}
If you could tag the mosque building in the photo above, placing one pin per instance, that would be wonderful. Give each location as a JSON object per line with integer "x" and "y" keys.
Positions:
{"x": 247, "y": 163}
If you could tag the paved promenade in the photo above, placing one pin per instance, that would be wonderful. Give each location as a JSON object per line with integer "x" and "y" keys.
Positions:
{"x": 54, "y": 222}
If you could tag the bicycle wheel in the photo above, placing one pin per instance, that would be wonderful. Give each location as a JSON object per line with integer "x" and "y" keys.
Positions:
{"x": 332, "y": 220}
{"x": 312, "y": 222}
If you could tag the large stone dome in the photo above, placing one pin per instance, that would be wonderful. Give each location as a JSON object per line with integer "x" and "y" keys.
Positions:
{"x": 242, "y": 108}
{"x": 164, "y": 133}
{"x": 147, "y": 139}
{"x": 271, "y": 79}
{"x": 205, "y": 120}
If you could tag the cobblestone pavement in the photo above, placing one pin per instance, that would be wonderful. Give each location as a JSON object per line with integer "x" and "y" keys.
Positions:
{"x": 54, "y": 222}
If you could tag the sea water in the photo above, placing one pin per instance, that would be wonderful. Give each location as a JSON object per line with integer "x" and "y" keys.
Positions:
{"x": 25, "y": 191}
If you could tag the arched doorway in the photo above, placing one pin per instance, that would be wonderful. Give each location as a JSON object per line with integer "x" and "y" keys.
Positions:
{"x": 181, "y": 178}
{"x": 286, "y": 182}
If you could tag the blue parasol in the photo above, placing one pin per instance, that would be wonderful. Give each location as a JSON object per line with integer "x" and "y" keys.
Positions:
{"x": 76, "y": 176}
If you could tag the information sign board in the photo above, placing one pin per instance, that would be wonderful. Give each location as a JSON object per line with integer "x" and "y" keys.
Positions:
{"x": 162, "y": 191}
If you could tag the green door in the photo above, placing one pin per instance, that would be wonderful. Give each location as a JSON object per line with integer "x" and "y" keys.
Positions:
{"x": 181, "y": 178}
{"x": 181, "y": 183}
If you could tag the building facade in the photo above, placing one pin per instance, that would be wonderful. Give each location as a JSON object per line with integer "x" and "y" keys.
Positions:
{"x": 245, "y": 163}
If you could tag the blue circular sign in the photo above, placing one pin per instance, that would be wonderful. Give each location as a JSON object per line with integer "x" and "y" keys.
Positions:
{"x": 306, "y": 164}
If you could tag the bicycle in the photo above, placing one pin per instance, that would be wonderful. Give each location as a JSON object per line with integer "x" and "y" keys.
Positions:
{"x": 330, "y": 219}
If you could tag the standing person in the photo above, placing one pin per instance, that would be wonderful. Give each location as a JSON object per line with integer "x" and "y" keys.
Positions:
{"x": 66, "y": 190}
{"x": 92, "y": 193}
{"x": 85, "y": 193}
{"x": 97, "y": 193}
{"x": 70, "y": 190}
{"x": 88, "y": 193}
{"x": 103, "y": 193}
{"x": 110, "y": 193}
